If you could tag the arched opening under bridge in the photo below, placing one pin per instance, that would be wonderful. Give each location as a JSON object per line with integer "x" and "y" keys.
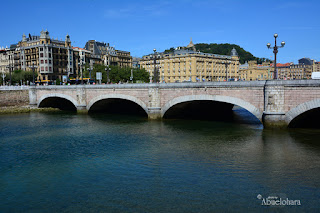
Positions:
{"x": 117, "y": 106}
{"x": 211, "y": 110}
{"x": 57, "y": 102}
{"x": 307, "y": 119}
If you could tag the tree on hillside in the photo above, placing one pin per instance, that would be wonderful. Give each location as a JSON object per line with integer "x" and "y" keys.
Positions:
{"x": 225, "y": 49}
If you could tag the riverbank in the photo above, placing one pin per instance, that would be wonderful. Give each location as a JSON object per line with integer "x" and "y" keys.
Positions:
{"x": 24, "y": 109}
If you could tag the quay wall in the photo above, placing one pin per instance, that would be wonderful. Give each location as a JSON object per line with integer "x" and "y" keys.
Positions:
{"x": 14, "y": 97}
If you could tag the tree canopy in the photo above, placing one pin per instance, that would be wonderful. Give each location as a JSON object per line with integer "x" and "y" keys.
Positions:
{"x": 225, "y": 49}
{"x": 117, "y": 74}
{"x": 19, "y": 76}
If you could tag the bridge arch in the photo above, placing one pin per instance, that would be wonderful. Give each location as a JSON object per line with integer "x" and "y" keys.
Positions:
{"x": 225, "y": 99}
{"x": 57, "y": 95}
{"x": 300, "y": 109}
{"x": 118, "y": 96}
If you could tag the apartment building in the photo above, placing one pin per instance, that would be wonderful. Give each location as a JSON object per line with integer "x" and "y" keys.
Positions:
{"x": 109, "y": 54}
{"x": 51, "y": 58}
{"x": 251, "y": 71}
{"x": 184, "y": 64}
{"x": 302, "y": 70}
{"x": 316, "y": 67}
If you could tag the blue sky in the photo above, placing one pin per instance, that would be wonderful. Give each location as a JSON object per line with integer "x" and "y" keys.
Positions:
{"x": 140, "y": 26}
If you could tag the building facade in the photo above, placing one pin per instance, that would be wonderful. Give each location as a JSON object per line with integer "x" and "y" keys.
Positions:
{"x": 52, "y": 59}
{"x": 302, "y": 70}
{"x": 251, "y": 71}
{"x": 109, "y": 54}
{"x": 188, "y": 65}
{"x": 316, "y": 67}
{"x": 4, "y": 60}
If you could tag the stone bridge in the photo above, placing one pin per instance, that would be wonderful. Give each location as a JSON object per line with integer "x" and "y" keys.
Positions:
{"x": 274, "y": 103}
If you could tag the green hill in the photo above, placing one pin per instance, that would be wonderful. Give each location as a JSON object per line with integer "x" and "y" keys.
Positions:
{"x": 225, "y": 49}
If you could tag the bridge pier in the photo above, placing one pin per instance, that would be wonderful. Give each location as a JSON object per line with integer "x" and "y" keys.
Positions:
{"x": 154, "y": 109}
{"x": 274, "y": 104}
{"x": 154, "y": 113}
{"x": 33, "y": 96}
{"x": 274, "y": 121}
{"x": 82, "y": 110}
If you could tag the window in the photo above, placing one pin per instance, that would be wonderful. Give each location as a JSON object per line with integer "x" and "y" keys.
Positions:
{"x": 42, "y": 68}
{"x": 46, "y": 61}
{"x": 46, "y": 68}
{"x": 41, "y": 61}
{"x": 49, "y": 61}
{"x": 50, "y": 68}
{"x": 41, "y": 54}
{"x": 41, "y": 48}
{"x": 49, "y": 55}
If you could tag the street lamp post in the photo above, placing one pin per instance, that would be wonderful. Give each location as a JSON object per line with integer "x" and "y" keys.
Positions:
{"x": 3, "y": 76}
{"x": 226, "y": 63}
{"x": 107, "y": 69}
{"x": 10, "y": 66}
{"x": 155, "y": 71}
{"x": 81, "y": 63}
{"x": 275, "y": 51}
{"x": 131, "y": 77}
{"x": 33, "y": 67}
{"x": 89, "y": 69}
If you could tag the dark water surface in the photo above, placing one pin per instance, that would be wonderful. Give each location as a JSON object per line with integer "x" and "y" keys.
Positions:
{"x": 104, "y": 163}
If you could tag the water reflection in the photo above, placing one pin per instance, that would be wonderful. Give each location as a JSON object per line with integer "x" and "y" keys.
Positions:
{"x": 69, "y": 162}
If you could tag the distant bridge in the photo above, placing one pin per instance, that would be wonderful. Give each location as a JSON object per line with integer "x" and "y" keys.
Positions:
{"x": 274, "y": 103}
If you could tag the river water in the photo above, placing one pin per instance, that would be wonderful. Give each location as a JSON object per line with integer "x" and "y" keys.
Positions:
{"x": 64, "y": 162}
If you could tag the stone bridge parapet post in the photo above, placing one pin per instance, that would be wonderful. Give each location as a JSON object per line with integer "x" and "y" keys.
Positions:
{"x": 32, "y": 96}
{"x": 274, "y": 105}
{"x": 81, "y": 99}
{"x": 154, "y": 105}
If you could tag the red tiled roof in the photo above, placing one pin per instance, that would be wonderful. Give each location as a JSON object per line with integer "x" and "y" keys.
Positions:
{"x": 78, "y": 48}
{"x": 282, "y": 65}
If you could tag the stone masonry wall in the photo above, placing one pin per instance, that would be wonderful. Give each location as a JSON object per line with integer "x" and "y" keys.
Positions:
{"x": 14, "y": 98}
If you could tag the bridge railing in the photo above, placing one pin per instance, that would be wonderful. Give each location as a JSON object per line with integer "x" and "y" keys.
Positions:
{"x": 23, "y": 87}
{"x": 214, "y": 84}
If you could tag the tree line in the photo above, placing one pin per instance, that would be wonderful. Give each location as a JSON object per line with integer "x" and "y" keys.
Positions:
{"x": 18, "y": 77}
{"x": 117, "y": 74}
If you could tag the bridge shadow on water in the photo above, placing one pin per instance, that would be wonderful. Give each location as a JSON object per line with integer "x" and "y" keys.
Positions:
{"x": 59, "y": 103}
{"x": 211, "y": 111}
{"x": 117, "y": 106}
{"x": 309, "y": 119}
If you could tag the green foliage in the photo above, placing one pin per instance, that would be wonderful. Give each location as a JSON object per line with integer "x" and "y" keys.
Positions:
{"x": 18, "y": 76}
{"x": 58, "y": 82}
{"x": 225, "y": 49}
{"x": 117, "y": 74}
{"x": 169, "y": 50}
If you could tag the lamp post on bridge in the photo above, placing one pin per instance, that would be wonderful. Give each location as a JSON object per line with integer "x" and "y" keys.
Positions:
{"x": 81, "y": 63}
{"x": 275, "y": 51}
{"x": 155, "y": 71}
